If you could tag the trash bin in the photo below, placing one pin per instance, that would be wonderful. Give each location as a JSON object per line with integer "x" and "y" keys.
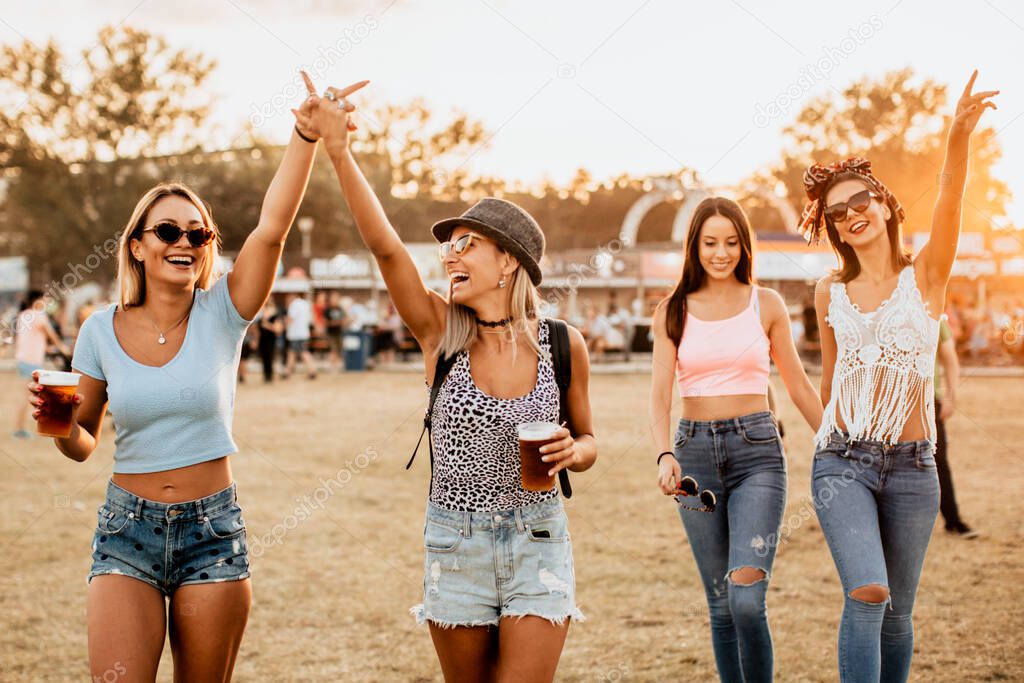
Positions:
{"x": 355, "y": 345}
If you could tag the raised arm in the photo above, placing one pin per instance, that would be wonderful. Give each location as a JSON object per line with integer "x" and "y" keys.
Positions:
{"x": 250, "y": 280}
{"x": 787, "y": 360}
{"x": 422, "y": 309}
{"x": 940, "y": 251}
{"x": 660, "y": 409}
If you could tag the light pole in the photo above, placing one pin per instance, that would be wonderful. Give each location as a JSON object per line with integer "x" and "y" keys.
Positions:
{"x": 306, "y": 228}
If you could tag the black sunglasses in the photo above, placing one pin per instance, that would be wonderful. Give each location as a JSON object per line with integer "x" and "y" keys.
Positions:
{"x": 170, "y": 233}
{"x": 688, "y": 487}
{"x": 858, "y": 203}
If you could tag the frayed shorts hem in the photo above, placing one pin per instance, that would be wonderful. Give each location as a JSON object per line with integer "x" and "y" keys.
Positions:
{"x": 194, "y": 582}
{"x": 419, "y": 612}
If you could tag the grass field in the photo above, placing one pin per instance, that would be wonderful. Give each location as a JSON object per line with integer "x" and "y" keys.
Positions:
{"x": 332, "y": 591}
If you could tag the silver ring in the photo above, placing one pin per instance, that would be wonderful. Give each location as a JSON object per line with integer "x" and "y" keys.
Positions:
{"x": 342, "y": 104}
{"x": 329, "y": 94}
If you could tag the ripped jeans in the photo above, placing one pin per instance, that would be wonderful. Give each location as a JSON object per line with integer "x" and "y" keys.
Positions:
{"x": 742, "y": 461}
{"x": 877, "y": 506}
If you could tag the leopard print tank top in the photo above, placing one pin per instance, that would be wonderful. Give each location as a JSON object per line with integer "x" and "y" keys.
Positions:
{"x": 476, "y": 445}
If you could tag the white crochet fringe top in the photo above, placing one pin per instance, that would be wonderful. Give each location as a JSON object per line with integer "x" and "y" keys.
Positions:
{"x": 885, "y": 365}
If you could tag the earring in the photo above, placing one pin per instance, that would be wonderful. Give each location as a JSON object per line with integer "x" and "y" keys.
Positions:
{"x": 502, "y": 283}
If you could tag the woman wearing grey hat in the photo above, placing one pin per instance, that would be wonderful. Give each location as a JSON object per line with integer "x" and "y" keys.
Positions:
{"x": 499, "y": 588}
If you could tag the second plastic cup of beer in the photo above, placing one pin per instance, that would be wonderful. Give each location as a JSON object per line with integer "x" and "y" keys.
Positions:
{"x": 58, "y": 395}
{"x": 533, "y": 435}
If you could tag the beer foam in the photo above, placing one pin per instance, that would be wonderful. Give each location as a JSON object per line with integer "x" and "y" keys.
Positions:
{"x": 54, "y": 378}
{"x": 537, "y": 431}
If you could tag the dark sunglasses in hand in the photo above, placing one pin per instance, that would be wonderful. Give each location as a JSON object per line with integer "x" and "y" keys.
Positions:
{"x": 858, "y": 203}
{"x": 170, "y": 233}
{"x": 688, "y": 487}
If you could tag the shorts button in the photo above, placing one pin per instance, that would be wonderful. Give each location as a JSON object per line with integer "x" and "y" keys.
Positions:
{"x": 497, "y": 518}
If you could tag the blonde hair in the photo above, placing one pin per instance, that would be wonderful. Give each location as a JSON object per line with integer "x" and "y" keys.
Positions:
{"x": 460, "y": 329}
{"x": 131, "y": 274}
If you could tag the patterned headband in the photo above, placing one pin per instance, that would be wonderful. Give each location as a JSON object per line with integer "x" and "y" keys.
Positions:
{"x": 816, "y": 179}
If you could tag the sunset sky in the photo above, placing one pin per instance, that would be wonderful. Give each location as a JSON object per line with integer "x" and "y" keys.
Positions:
{"x": 634, "y": 86}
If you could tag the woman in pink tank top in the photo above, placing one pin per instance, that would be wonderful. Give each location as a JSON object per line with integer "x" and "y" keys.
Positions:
{"x": 715, "y": 336}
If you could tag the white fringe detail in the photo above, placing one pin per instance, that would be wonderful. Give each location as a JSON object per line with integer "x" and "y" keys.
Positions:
{"x": 885, "y": 365}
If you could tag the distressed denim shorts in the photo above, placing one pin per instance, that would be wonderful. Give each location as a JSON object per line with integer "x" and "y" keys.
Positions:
{"x": 169, "y": 545}
{"x": 482, "y": 566}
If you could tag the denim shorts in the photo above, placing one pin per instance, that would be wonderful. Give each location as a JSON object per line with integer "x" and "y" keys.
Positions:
{"x": 169, "y": 545}
{"x": 298, "y": 345}
{"x": 482, "y": 566}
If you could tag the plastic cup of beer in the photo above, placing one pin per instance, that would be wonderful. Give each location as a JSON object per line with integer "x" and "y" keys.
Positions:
{"x": 534, "y": 471}
{"x": 58, "y": 394}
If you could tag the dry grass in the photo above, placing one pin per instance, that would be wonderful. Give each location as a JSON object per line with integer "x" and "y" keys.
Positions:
{"x": 331, "y": 598}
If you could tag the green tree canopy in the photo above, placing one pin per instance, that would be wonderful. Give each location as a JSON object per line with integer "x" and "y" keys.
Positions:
{"x": 899, "y": 123}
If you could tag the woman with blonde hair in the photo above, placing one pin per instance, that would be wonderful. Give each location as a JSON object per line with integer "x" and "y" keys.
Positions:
{"x": 169, "y": 551}
{"x": 490, "y": 620}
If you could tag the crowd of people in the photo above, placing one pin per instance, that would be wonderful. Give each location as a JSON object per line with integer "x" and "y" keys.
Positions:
{"x": 499, "y": 587}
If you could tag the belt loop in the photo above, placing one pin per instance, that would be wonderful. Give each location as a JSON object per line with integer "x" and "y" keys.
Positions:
{"x": 691, "y": 427}
{"x": 467, "y": 524}
{"x": 520, "y": 525}
{"x": 200, "y": 512}
{"x": 139, "y": 503}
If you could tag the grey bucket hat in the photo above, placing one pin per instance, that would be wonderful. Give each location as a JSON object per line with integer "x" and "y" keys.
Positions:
{"x": 508, "y": 225}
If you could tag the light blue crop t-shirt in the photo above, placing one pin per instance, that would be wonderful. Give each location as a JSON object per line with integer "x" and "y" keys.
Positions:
{"x": 178, "y": 414}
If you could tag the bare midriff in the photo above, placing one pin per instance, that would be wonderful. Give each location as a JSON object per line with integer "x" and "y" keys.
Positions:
{"x": 178, "y": 485}
{"x": 708, "y": 408}
{"x": 913, "y": 429}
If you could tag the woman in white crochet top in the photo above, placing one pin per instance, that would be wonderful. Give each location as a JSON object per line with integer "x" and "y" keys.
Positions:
{"x": 875, "y": 486}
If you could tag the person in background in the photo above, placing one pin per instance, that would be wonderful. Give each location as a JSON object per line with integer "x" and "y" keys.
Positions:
{"x": 945, "y": 404}
{"x": 334, "y": 321}
{"x": 297, "y": 323}
{"x": 389, "y": 335}
{"x": 248, "y": 347}
{"x": 270, "y": 329}
{"x": 32, "y": 333}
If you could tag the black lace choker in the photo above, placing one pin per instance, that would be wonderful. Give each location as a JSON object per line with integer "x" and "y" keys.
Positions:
{"x": 497, "y": 323}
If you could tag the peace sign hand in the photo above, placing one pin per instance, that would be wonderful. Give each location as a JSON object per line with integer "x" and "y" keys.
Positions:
{"x": 970, "y": 107}
{"x": 327, "y": 116}
{"x": 304, "y": 114}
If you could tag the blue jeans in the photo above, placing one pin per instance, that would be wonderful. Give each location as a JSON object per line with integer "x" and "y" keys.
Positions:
{"x": 877, "y": 505}
{"x": 742, "y": 461}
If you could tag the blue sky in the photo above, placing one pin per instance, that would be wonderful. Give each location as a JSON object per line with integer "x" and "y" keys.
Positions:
{"x": 632, "y": 86}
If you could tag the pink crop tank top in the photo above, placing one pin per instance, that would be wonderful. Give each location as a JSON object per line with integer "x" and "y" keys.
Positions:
{"x": 724, "y": 357}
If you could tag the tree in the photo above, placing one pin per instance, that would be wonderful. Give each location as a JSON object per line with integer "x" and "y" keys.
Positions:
{"x": 63, "y": 148}
{"x": 900, "y": 125}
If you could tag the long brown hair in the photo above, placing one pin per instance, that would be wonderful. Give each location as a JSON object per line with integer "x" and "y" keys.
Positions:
{"x": 693, "y": 272}
{"x": 849, "y": 265}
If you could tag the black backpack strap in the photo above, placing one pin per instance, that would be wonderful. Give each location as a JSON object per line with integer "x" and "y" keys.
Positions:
{"x": 441, "y": 370}
{"x": 561, "y": 361}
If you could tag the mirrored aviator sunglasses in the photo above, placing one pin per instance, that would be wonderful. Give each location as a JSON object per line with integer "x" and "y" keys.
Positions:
{"x": 858, "y": 203}
{"x": 170, "y": 233}
{"x": 458, "y": 246}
